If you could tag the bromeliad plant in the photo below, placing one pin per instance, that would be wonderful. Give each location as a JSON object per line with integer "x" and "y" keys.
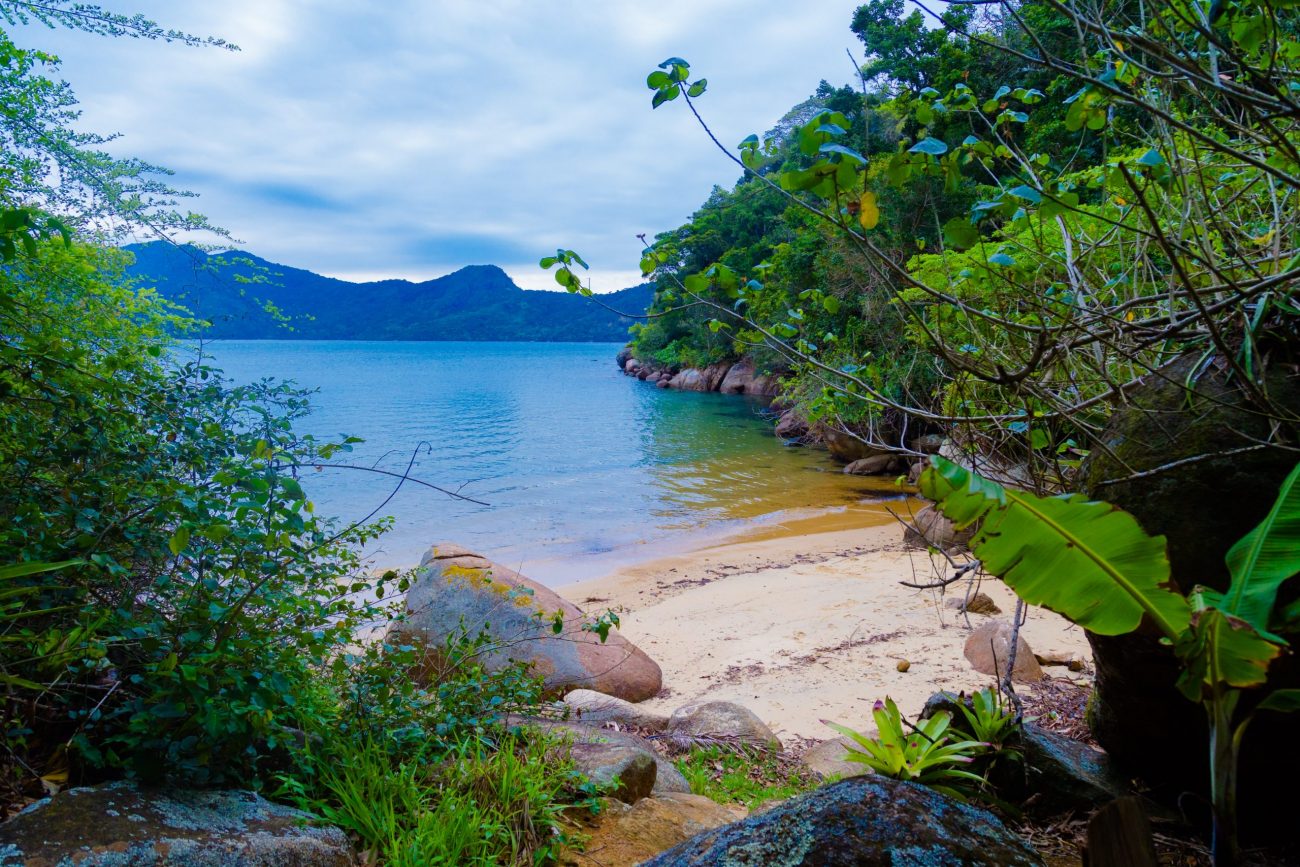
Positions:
{"x": 922, "y": 755}
{"x": 1093, "y": 563}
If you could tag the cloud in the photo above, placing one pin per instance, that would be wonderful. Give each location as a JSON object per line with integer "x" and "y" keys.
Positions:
{"x": 413, "y": 137}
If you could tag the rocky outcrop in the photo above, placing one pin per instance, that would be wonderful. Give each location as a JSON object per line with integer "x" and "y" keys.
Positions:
{"x": 1174, "y": 459}
{"x": 623, "y": 357}
{"x": 860, "y": 822}
{"x": 456, "y": 588}
{"x": 989, "y": 647}
{"x": 790, "y": 425}
{"x": 622, "y": 836}
{"x": 1064, "y": 775}
{"x": 118, "y": 824}
{"x": 589, "y": 706}
{"x": 844, "y": 446}
{"x": 723, "y": 720}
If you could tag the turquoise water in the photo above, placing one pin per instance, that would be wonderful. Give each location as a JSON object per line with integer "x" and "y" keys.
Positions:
{"x": 580, "y": 466}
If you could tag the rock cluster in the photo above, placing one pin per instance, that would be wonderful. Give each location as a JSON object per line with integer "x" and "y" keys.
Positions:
{"x": 723, "y": 376}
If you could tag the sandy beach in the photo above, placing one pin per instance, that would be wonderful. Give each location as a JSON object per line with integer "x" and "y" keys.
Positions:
{"x": 806, "y": 622}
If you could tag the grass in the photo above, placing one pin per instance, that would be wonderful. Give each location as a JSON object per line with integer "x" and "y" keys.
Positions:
{"x": 477, "y": 803}
{"x": 745, "y": 777}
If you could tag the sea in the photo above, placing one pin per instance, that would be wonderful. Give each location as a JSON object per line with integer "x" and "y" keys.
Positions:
{"x": 571, "y": 468}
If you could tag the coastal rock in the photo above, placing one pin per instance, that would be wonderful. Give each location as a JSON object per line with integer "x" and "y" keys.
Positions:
{"x": 989, "y": 647}
{"x": 791, "y": 425}
{"x": 876, "y": 465}
{"x": 118, "y": 824}
{"x": 743, "y": 379}
{"x": 930, "y": 529}
{"x": 664, "y": 382}
{"x": 623, "y": 357}
{"x": 1066, "y": 775}
{"x": 456, "y": 589}
{"x": 631, "y": 366}
{"x": 720, "y": 719}
{"x": 590, "y": 706}
{"x": 691, "y": 379}
{"x": 860, "y": 822}
{"x": 714, "y": 375}
{"x": 654, "y": 377}
{"x": 667, "y": 778}
{"x": 631, "y": 771}
{"x": 622, "y": 836}
{"x": 831, "y": 758}
{"x": 643, "y": 372}
{"x": 930, "y": 444}
{"x": 980, "y": 603}
{"x": 843, "y": 446}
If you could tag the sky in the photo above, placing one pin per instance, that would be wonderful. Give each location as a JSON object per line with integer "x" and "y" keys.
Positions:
{"x": 409, "y": 139}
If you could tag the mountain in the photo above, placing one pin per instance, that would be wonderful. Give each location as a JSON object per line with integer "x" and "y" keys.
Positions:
{"x": 480, "y": 302}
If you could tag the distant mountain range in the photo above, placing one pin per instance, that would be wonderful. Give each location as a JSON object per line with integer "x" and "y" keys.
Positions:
{"x": 479, "y": 302}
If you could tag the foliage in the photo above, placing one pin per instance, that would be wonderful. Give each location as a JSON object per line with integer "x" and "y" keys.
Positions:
{"x": 744, "y": 776}
{"x": 922, "y": 755}
{"x": 471, "y": 803}
{"x": 1107, "y": 575}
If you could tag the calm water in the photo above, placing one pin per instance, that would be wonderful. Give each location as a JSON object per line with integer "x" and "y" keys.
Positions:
{"x": 581, "y": 466}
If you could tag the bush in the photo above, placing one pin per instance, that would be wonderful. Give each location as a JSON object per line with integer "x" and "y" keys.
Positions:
{"x": 747, "y": 777}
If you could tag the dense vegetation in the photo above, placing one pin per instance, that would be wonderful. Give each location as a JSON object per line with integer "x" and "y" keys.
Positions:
{"x": 244, "y": 296}
{"x": 1049, "y": 231}
{"x": 171, "y": 607}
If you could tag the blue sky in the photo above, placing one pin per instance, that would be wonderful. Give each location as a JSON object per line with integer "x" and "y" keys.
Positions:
{"x": 407, "y": 138}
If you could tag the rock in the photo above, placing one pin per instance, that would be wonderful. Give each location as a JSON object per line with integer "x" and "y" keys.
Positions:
{"x": 667, "y": 778}
{"x": 714, "y": 374}
{"x": 721, "y": 719}
{"x": 1202, "y": 507}
{"x": 654, "y": 378}
{"x": 690, "y": 379}
{"x": 843, "y": 446}
{"x": 664, "y": 382}
{"x": 914, "y": 472}
{"x": 831, "y": 758}
{"x": 859, "y": 822}
{"x": 1065, "y": 775}
{"x": 876, "y": 465}
{"x": 1072, "y": 661}
{"x": 903, "y": 665}
{"x": 590, "y": 706}
{"x": 623, "y": 357}
{"x": 643, "y": 372}
{"x": 930, "y": 444}
{"x": 791, "y": 425}
{"x": 622, "y": 836}
{"x": 766, "y": 385}
{"x": 930, "y": 529}
{"x": 119, "y": 824}
{"x": 946, "y": 701}
{"x": 454, "y": 586}
{"x": 630, "y": 770}
{"x": 980, "y": 603}
{"x": 742, "y": 379}
{"x": 631, "y": 366}
{"x": 989, "y": 647}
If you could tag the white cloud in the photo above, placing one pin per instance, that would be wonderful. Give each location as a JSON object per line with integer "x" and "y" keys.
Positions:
{"x": 410, "y": 138}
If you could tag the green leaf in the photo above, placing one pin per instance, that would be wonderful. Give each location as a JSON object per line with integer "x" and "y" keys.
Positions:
{"x": 179, "y": 540}
{"x": 698, "y": 88}
{"x": 1265, "y": 557}
{"x": 1221, "y": 650}
{"x": 658, "y": 79}
{"x": 832, "y": 304}
{"x": 1151, "y": 158}
{"x": 668, "y": 94}
{"x": 1089, "y": 561}
{"x": 932, "y": 146}
{"x": 21, "y": 570}
{"x": 1029, "y": 194}
{"x": 1002, "y": 259}
{"x": 1283, "y": 701}
{"x": 959, "y": 234}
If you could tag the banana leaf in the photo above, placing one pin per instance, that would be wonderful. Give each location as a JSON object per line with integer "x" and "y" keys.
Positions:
{"x": 1264, "y": 558}
{"x": 1220, "y": 651}
{"x": 1088, "y": 561}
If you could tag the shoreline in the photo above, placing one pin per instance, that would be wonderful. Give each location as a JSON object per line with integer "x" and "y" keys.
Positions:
{"x": 805, "y": 624}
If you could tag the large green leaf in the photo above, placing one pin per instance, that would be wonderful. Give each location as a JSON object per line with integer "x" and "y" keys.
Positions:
{"x": 1089, "y": 561}
{"x": 1265, "y": 557}
{"x": 20, "y": 570}
{"x": 1220, "y": 650}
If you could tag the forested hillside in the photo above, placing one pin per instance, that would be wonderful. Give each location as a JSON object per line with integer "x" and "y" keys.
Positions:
{"x": 244, "y": 296}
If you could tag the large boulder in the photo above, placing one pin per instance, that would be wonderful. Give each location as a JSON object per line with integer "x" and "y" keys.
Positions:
{"x": 791, "y": 425}
{"x": 859, "y": 822}
{"x": 876, "y": 465}
{"x": 1174, "y": 459}
{"x": 456, "y": 587}
{"x": 988, "y": 648}
{"x": 723, "y": 720}
{"x": 714, "y": 375}
{"x": 119, "y": 824}
{"x": 844, "y": 446}
{"x": 667, "y": 777}
{"x": 743, "y": 379}
{"x": 622, "y": 836}
{"x": 589, "y": 706}
{"x": 1065, "y": 775}
{"x": 623, "y": 357}
{"x": 690, "y": 379}
{"x": 631, "y": 366}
